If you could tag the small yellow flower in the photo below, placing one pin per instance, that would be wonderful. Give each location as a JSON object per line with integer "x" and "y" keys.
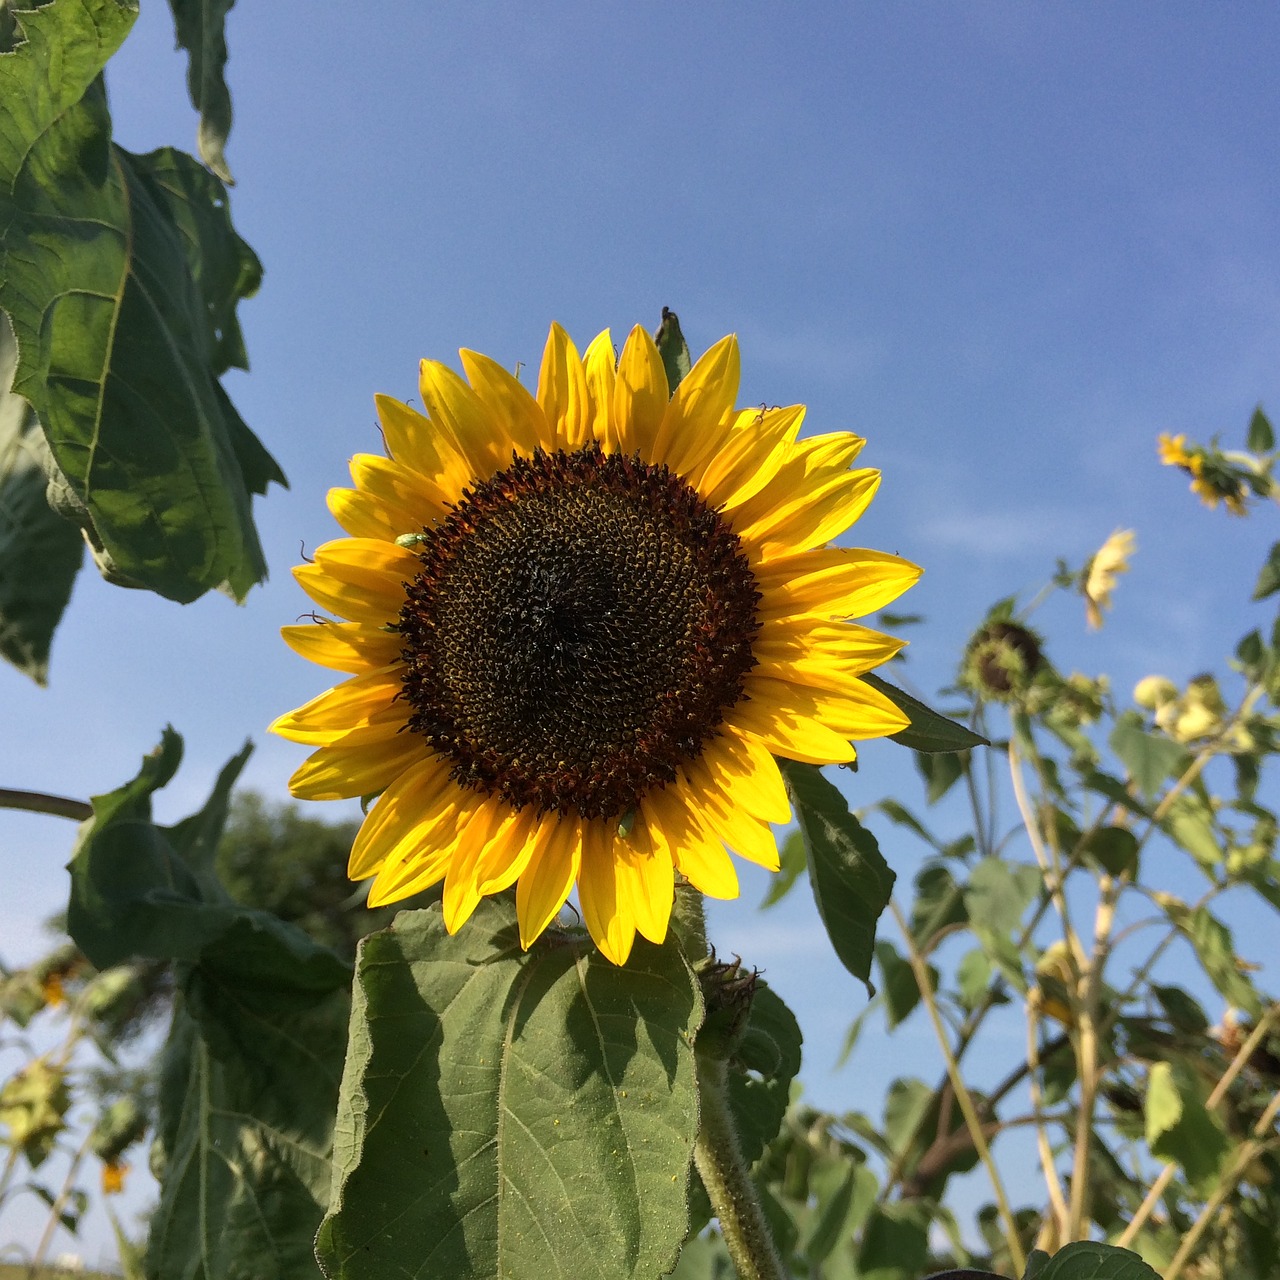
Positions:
{"x": 1153, "y": 692}
{"x": 580, "y": 625}
{"x": 1173, "y": 451}
{"x": 52, "y": 990}
{"x": 113, "y": 1174}
{"x": 1104, "y": 569}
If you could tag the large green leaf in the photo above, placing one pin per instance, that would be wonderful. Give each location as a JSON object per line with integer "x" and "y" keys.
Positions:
{"x": 121, "y": 275}
{"x": 509, "y": 1113}
{"x": 250, "y": 1074}
{"x": 1086, "y": 1260}
{"x": 928, "y": 730}
{"x": 1180, "y": 1127}
{"x": 851, "y": 881}
{"x": 1151, "y": 758}
{"x": 201, "y": 29}
{"x": 40, "y": 553}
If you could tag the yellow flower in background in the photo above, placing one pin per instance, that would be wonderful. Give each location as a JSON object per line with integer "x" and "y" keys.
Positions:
{"x": 113, "y": 1172}
{"x": 1214, "y": 478}
{"x": 1104, "y": 570}
{"x": 579, "y": 626}
{"x": 1173, "y": 451}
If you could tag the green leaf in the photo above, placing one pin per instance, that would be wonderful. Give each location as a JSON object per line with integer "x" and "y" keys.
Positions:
{"x": 673, "y": 349}
{"x": 250, "y": 1074}
{"x": 1114, "y": 849}
{"x": 973, "y": 977}
{"x": 939, "y": 904}
{"x": 900, "y": 991}
{"x": 1189, "y": 823}
{"x": 1086, "y": 1260}
{"x": 201, "y": 30}
{"x": 999, "y": 892}
{"x": 928, "y": 731}
{"x": 1262, "y": 439}
{"x": 895, "y": 1242}
{"x": 1151, "y": 758}
{"x": 940, "y": 770}
{"x": 765, "y": 1061}
{"x": 1178, "y": 1125}
{"x": 1104, "y": 784}
{"x": 121, "y": 275}
{"x": 1182, "y": 1010}
{"x": 512, "y": 1113}
{"x": 791, "y": 859}
{"x": 1215, "y": 949}
{"x": 40, "y": 552}
{"x": 1269, "y": 576}
{"x": 851, "y": 881}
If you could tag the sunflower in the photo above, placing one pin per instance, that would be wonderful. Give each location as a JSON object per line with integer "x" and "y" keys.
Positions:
{"x": 579, "y": 626}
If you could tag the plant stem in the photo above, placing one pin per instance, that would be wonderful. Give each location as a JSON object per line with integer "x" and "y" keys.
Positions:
{"x": 55, "y": 1209}
{"x": 39, "y": 802}
{"x": 725, "y": 1175}
{"x": 1053, "y": 1181}
{"x": 963, "y": 1097}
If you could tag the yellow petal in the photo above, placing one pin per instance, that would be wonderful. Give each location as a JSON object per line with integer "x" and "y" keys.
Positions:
{"x": 364, "y": 700}
{"x": 606, "y": 911}
{"x": 855, "y": 710}
{"x": 545, "y": 884}
{"x": 562, "y": 391}
{"x": 409, "y": 804}
{"x": 599, "y": 376}
{"x": 343, "y": 646}
{"x": 750, "y": 456}
{"x": 359, "y": 578}
{"x": 510, "y": 403}
{"x": 412, "y": 440}
{"x": 747, "y": 774}
{"x": 646, "y": 877}
{"x": 640, "y": 394}
{"x": 695, "y": 850}
{"x": 746, "y": 836}
{"x": 341, "y": 772}
{"x": 463, "y": 420}
{"x": 491, "y": 821}
{"x": 810, "y": 651}
{"x": 813, "y": 518}
{"x": 807, "y": 466}
{"x": 836, "y": 582}
{"x": 401, "y": 489}
{"x": 785, "y": 729}
{"x": 700, "y": 413}
{"x": 363, "y": 516}
{"x": 504, "y": 861}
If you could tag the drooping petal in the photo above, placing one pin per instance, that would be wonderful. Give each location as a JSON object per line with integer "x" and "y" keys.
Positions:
{"x": 544, "y": 887}
{"x": 407, "y": 806}
{"x": 647, "y": 879}
{"x": 695, "y": 849}
{"x": 606, "y": 907}
{"x": 492, "y": 821}
{"x": 747, "y": 774}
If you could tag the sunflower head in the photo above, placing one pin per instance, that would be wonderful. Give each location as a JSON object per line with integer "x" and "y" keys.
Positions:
{"x": 1001, "y": 660}
{"x": 577, "y": 627}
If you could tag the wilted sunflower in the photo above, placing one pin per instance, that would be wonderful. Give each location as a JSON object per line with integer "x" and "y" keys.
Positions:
{"x": 579, "y": 628}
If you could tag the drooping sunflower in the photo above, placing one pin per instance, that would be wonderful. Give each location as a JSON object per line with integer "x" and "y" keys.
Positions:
{"x": 578, "y": 628}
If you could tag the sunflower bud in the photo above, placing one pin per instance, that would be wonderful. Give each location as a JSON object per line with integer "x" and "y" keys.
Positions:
{"x": 1001, "y": 661}
{"x": 1153, "y": 692}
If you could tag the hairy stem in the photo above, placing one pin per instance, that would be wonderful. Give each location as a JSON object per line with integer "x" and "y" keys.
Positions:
{"x": 718, "y": 1157}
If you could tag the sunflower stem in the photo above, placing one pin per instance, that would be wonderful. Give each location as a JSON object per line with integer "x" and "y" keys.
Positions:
{"x": 689, "y": 923}
{"x": 734, "y": 1199}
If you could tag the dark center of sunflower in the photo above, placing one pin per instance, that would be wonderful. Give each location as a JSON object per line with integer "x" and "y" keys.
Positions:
{"x": 577, "y": 630}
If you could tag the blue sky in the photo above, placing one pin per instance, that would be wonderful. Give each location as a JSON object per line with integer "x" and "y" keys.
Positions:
{"x": 1008, "y": 243}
